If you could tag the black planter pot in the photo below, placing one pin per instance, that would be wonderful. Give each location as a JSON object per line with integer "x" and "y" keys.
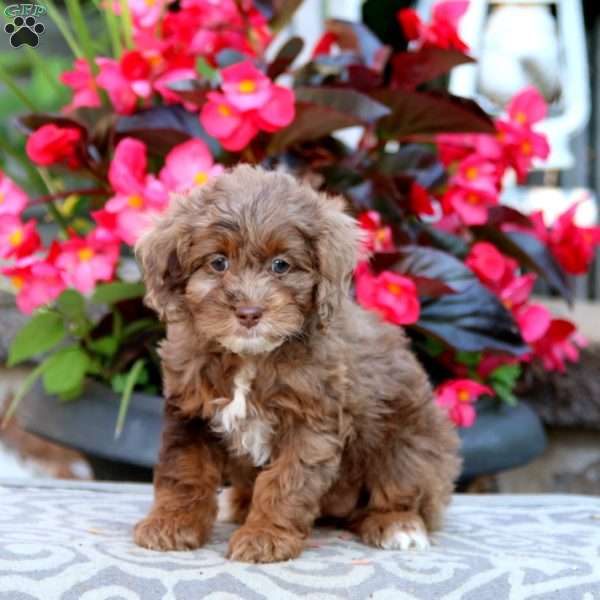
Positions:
{"x": 502, "y": 438}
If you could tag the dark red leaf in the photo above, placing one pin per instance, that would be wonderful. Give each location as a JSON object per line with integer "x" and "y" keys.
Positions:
{"x": 285, "y": 57}
{"x": 427, "y": 114}
{"x": 411, "y": 69}
{"x": 321, "y": 111}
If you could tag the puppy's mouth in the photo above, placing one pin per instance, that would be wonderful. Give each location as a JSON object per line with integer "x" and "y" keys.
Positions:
{"x": 250, "y": 341}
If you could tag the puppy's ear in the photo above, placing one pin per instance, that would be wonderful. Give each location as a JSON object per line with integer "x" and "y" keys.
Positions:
{"x": 337, "y": 249}
{"x": 163, "y": 256}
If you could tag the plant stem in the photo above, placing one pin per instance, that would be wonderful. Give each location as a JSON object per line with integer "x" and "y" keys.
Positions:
{"x": 127, "y": 23}
{"x": 63, "y": 28}
{"x": 67, "y": 193}
{"x": 74, "y": 9}
{"x": 56, "y": 214}
{"x": 20, "y": 393}
{"x": 7, "y": 80}
{"x": 31, "y": 171}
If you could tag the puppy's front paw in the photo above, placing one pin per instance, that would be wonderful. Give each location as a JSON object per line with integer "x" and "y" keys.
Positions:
{"x": 263, "y": 545}
{"x": 170, "y": 532}
{"x": 395, "y": 531}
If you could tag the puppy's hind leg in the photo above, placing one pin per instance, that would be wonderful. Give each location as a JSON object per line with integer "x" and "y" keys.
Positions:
{"x": 411, "y": 484}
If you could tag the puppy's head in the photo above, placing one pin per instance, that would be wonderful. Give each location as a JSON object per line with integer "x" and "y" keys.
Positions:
{"x": 250, "y": 259}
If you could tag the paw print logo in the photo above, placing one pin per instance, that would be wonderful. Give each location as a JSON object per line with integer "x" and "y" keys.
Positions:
{"x": 24, "y": 31}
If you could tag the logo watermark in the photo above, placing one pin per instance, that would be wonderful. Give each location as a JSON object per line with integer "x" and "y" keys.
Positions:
{"x": 24, "y": 26}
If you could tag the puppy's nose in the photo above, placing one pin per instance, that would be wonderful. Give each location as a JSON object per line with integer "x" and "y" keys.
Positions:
{"x": 248, "y": 316}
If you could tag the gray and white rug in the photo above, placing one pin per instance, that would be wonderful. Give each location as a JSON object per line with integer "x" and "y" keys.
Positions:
{"x": 61, "y": 541}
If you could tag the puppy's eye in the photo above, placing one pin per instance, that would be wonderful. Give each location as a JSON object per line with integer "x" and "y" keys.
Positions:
{"x": 280, "y": 266}
{"x": 219, "y": 263}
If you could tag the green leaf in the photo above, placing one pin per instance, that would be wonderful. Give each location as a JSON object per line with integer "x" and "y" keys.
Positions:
{"x": 71, "y": 304}
{"x": 111, "y": 293}
{"x": 469, "y": 359}
{"x": 65, "y": 370}
{"x": 505, "y": 393}
{"x": 506, "y": 374}
{"x": 106, "y": 345}
{"x": 43, "y": 332}
{"x": 130, "y": 381}
{"x": 73, "y": 394}
{"x": 205, "y": 69}
{"x": 433, "y": 347}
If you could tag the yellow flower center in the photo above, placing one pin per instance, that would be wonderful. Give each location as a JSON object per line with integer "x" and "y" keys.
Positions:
{"x": 472, "y": 173}
{"x": 526, "y": 147}
{"x": 521, "y": 118}
{"x": 463, "y": 396}
{"x": 508, "y": 303}
{"x": 149, "y": 3}
{"x": 17, "y": 282}
{"x": 224, "y": 110}
{"x": 394, "y": 288}
{"x": 247, "y": 86}
{"x": 135, "y": 201}
{"x": 16, "y": 237}
{"x": 1, "y": 197}
{"x": 85, "y": 254}
{"x": 155, "y": 60}
{"x": 200, "y": 177}
{"x": 472, "y": 198}
{"x": 381, "y": 235}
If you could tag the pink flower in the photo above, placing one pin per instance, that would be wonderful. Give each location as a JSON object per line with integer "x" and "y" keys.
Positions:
{"x": 12, "y": 198}
{"x": 125, "y": 80}
{"x": 534, "y": 321}
{"x": 517, "y": 292}
{"x": 223, "y": 121}
{"x": 188, "y": 165}
{"x": 457, "y": 396}
{"x": 522, "y": 145}
{"x": 36, "y": 280}
{"x": 51, "y": 144}
{"x": 393, "y": 296}
{"x": 145, "y": 13}
{"x": 17, "y": 240}
{"x": 478, "y": 174}
{"x": 493, "y": 268}
{"x": 574, "y": 247}
{"x": 245, "y": 86}
{"x": 85, "y": 261}
{"x": 250, "y": 102}
{"x": 83, "y": 84}
{"x": 420, "y": 201}
{"x": 471, "y": 205}
{"x": 378, "y": 237}
{"x": 527, "y": 107}
{"x": 139, "y": 196}
{"x": 559, "y": 344}
{"x": 442, "y": 31}
{"x": 278, "y": 111}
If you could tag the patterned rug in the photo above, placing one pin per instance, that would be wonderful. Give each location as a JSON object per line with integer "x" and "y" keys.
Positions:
{"x": 72, "y": 541}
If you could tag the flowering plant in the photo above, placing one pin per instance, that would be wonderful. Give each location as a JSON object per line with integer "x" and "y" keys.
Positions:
{"x": 176, "y": 92}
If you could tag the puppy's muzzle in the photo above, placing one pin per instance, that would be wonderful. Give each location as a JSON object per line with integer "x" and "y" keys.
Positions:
{"x": 248, "y": 316}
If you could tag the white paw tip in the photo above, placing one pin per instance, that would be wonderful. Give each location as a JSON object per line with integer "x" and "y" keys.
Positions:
{"x": 406, "y": 537}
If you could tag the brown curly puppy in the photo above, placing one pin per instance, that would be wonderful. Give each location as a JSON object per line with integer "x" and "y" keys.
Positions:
{"x": 278, "y": 383}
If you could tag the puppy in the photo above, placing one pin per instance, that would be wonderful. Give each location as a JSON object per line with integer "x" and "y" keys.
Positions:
{"x": 276, "y": 382}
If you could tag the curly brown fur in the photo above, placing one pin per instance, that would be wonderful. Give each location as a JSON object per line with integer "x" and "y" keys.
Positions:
{"x": 319, "y": 408}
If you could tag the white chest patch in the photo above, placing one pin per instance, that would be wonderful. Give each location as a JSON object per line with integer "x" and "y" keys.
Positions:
{"x": 239, "y": 423}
